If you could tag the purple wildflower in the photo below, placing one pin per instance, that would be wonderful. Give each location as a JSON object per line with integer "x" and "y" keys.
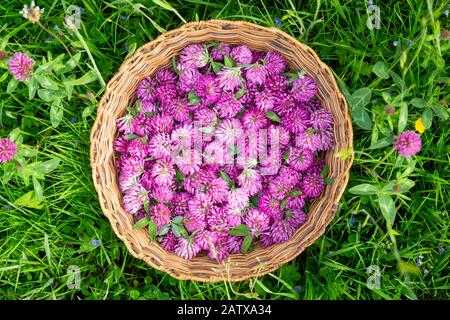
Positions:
{"x": 312, "y": 185}
{"x": 220, "y": 51}
{"x": 300, "y": 158}
{"x": 134, "y": 198}
{"x": 8, "y": 150}
{"x": 275, "y": 62}
{"x": 194, "y": 55}
{"x": 257, "y": 220}
{"x": 146, "y": 90}
{"x": 254, "y": 119}
{"x": 160, "y": 213}
{"x": 186, "y": 248}
{"x": 205, "y": 117}
{"x": 160, "y": 146}
{"x": 296, "y": 120}
{"x": 304, "y": 88}
{"x": 229, "y": 78}
{"x": 241, "y": 54}
{"x": 163, "y": 172}
{"x": 208, "y": 89}
{"x": 21, "y": 66}
{"x": 408, "y": 143}
{"x": 169, "y": 241}
{"x": 140, "y": 125}
{"x": 264, "y": 100}
{"x": 256, "y": 74}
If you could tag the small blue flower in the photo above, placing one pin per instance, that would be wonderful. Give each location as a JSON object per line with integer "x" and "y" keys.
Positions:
{"x": 73, "y": 120}
{"x": 370, "y": 3}
{"x": 123, "y": 17}
{"x": 127, "y": 48}
{"x": 352, "y": 222}
{"x": 49, "y": 39}
{"x": 395, "y": 43}
{"x": 8, "y": 207}
{"x": 298, "y": 288}
{"x": 441, "y": 249}
{"x": 278, "y": 22}
{"x": 95, "y": 242}
{"x": 82, "y": 10}
{"x": 56, "y": 27}
{"x": 409, "y": 43}
{"x": 446, "y": 13}
{"x": 419, "y": 260}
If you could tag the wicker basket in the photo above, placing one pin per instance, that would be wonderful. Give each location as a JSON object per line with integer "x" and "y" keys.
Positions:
{"x": 120, "y": 93}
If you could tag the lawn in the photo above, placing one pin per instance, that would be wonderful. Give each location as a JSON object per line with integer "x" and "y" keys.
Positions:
{"x": 390, "y": 237}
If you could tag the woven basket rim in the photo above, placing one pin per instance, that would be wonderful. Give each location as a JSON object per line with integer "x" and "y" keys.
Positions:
{"x": 215, "y": 276}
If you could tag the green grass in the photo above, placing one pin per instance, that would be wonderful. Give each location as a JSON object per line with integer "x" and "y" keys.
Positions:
{"x": 38, "y": 245}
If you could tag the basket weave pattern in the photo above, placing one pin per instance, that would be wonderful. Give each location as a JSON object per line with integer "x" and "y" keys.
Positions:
{"x": 120, "y": 94}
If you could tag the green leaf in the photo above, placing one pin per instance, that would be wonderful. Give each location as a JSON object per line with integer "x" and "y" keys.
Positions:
{"x": 364, "y": 189}
{"x": 49, "y": 95}
{"x": 193, "y": 98}
{"x": 71, "y": 63}
{"x": 387, "y": 207}
{"x": 246, "y": 243}
{"x": 38, "y": 189}
{"x": 56, "y": 113}
{"x": 165, "y": 5}
{"x": 146, "y": 207}
{"x": 216, "y": 66}
{"x": 152, "y": 230}
{"x": 362, "y": 118}
{"x": 403, "y": 117}
{"x": 177, "y": 220}
{"x": 328, "y": 180}
{"x": 28, "y": 151}
{"x": 206, "y": 129}
{"x": 47, "y": 166}
{"x": 240, "y": 93}
{"x": 176, "y": 229}
{"x": 240, "y": 230}
{"x": 46, "y": 82}
{"x": 441, "y": 111}
{"x": 131, "y": 49}
{"x": 131, "y": 136}
{"x": 273, "y": 116}
{"x": 325, "y": 171}
{"x": 295, "y": 193}
{"x": 164, "y": 230}
{"x": 405, "y": 267}
{"x": 228, "y": 61}
{"x": 418, "y": 103}
{"x": 226, "y": 178}
{"x": 88, "y": 77}
{"x": 283, "y": 204}
{"x": 360, "y": 98}
{"x": 141, "y": 223}
{"x": 12, "y": 85}
{"x": 33, "y": 85}
{"x": 29, "y": 200}
{"x": 381, "y": 70}
{"x": 86, "y": 113}
{"x": 384, "y": 142}
{"x": 14, "y": 135}
{"x": 397, "y": 80}
{"x": 386, "y": 97}
{"x": 179, "y": 176}
{"x": 427, "y": 118}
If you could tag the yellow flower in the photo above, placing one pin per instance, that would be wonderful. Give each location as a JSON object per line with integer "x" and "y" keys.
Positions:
{"x": 420, "y": 128}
